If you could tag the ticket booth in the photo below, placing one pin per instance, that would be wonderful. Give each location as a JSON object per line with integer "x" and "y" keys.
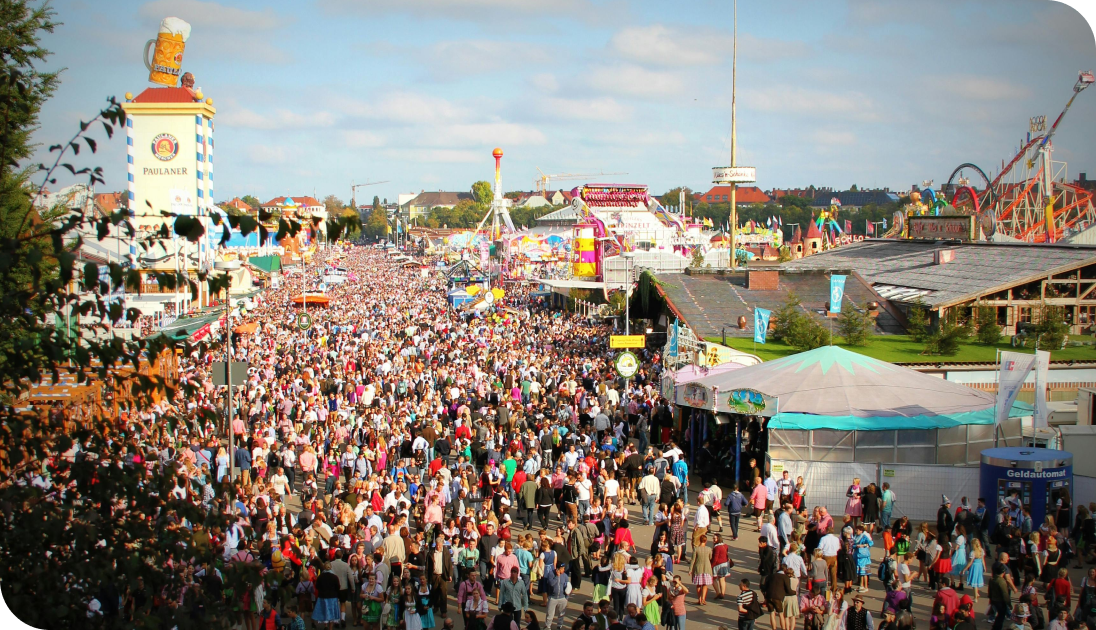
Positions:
{"x": 1019, "y": 477}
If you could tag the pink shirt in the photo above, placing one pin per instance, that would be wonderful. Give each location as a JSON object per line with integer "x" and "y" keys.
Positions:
{"x": 759, "y": 496}
{"x": 503, "y": 564}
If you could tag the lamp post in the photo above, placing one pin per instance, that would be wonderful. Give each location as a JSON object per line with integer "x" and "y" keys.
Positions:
{"x": 628, "y": 257}
{"x": 228, "y": 266}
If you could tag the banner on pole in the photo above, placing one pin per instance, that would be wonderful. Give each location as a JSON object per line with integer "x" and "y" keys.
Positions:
{"x": 837, "y": 292}
{"x": 1042, "y": 372}
{"x": 761, "y": 324}
{"x": 1015, "y": 368}
{"x": 672, "y": 351}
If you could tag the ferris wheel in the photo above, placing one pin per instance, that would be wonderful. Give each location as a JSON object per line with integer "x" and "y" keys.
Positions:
{"x": 1029, "y": 199}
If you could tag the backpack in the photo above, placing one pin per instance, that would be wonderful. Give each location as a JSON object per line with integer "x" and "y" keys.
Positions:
{"x": 886, "y": 573}
{"x": 753, "y": 609}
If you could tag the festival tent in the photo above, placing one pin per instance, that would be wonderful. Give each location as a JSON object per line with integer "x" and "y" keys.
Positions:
{"x": 834, "y": 388}
{"x": 312, "y": 298}
{"x": 458, "y": 297}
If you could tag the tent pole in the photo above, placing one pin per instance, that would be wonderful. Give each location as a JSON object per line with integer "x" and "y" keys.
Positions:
{"x": 738, "y": 449}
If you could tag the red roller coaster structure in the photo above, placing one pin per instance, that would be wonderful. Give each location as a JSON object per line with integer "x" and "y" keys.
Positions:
{"x": 1029, "y": 199}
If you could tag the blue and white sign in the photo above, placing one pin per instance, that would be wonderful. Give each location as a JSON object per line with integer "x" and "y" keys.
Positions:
{"x": 837, "y": 292}
{"x": 761, "y": 324}
{"x": 672, "y": 350}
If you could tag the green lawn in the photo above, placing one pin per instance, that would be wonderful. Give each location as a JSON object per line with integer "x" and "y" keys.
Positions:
{"x": 902, "y": 349}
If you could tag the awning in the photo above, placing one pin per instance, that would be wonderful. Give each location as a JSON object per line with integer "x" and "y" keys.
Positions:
{"x": 246, "y": 329}
{"x": 266, "y": 264}
{"x": 311, "y": 298}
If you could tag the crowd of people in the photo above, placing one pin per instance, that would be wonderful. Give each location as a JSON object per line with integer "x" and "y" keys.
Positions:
{"x": 400, "y": 464}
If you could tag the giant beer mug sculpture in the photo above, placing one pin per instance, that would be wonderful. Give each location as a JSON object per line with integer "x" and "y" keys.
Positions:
{"x": 167, "y": 56}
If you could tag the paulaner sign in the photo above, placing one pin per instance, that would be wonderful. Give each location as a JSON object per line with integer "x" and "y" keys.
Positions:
{"x": 960, "y": 227}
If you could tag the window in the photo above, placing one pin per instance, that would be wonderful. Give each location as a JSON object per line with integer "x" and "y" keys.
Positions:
{"x": 1086, "y": 314}
{"x": 1025, "y": 315}
{"x": 724, "y": 197}
{"x": 709, "y": 197}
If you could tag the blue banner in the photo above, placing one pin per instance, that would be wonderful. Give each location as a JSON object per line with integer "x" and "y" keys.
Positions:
{"x": 672, "y": 350}
{"x": 837, "y": 292}
{"x": 761, "y": 324}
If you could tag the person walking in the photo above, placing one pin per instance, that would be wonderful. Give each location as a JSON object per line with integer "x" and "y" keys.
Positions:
{"x": 700, "y": 569}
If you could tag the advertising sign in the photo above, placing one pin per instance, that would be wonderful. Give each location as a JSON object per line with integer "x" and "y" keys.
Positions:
{"x": 837, "y": 292}
{"x": 696, "y": 395}
{"x": 1015, "y": 368}
{"x": 673, "y": 349}
{"x": 715, "y": 354}
{"x": 734, "y": 175}
{"x": 960, "y": 227}
{"x": 627, "y": 341}
{"x": 748, "y": 402}
{"x": 761, "y": 324}
{"x": 1042, "y": 367}
{"x": 626, "y": 364}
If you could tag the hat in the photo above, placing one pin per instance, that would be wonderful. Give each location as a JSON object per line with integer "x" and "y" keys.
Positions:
{"x": 858, "y": 598}
{"x": 944, "y": 500}
{"x": 1020, "y": 611}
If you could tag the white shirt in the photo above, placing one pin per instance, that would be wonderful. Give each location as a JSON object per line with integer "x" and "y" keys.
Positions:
{"x": 830, "y": 545}
{"x": 583, "y": 488}
{"x": 702, "y": 518}
{"x": 612, "y": 486}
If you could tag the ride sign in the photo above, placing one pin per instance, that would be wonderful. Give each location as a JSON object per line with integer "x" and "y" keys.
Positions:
{"x": 627, "y": 341}
{"x": 626, "y": 364}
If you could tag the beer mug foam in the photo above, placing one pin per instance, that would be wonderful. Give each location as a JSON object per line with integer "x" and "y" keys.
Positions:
{"x": 167, "y": 56}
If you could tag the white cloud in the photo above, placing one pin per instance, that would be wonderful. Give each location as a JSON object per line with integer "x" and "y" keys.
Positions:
{"x": 797, "y": 100}
{"x": 492, "y": 133}
{"x": 459, "y": 9}
{"x": 279, "y": 119}
{"x": 453, "y": 59}
{"x": 980, "y": 88}
{"x": 661, "y": 45}
{"x": 403, "y": 107}
{"x": 266, "y": 155}
{"x": 644, "y": 138}
{"x": 202, "y": 14}
{"x": 545, "y": 81}
{"x": 603, "y": 109}
{"x": 831, "y": 137}
{"x": 361, "y": 139}
{"x": 634, "y": 80}
{"x": 450, "y": 156}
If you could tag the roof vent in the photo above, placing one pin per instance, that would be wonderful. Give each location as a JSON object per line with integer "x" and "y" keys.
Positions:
{"x": 943, "y": 256}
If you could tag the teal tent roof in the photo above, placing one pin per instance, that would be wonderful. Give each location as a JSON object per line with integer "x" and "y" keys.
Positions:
{"x": 833, "y": 388}
{"x": 269, "y": 264}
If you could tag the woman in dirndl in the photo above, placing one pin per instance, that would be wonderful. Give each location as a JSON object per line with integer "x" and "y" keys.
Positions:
{"x": 853, "y": 507}
{"x": 423, "y": 606}
{"x": 701, "y": 569}
{"x": 372, "y": 603}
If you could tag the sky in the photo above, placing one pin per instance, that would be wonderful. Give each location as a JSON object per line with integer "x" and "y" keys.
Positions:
{"x": 312, "y": 95}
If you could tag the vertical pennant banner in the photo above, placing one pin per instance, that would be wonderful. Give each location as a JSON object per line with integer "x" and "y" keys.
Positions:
{"x": 1042, "y": 372}
{"x": 837, "y": 293}
{"x": 672, "y": 350}
{"x": 761, "y": 324}
{"x": 1015, "y": 368}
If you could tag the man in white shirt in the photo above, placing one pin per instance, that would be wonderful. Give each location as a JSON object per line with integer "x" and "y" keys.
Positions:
{"x": 768, "y": 530}
{"x": 584, "y": 488}
{"x": 830, "y": 545}
{"x": 701, "y": 520}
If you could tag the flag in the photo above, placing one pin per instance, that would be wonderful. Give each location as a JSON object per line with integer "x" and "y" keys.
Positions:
{"x": 781, "y": 220}
{"x": 761, "y": 324}
{"x": 834, "y": 201}
{"x": 848, "y": 225}
{"x": 1015, "y": 368}
{"x": 1042, "y": 367}
{"x": 870, "y": 230}
{"x": 837, "y": 292}
{"x": 671, "y": 351}
{"x": 884, "y": 223}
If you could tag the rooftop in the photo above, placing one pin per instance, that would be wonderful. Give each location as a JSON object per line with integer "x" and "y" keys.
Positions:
{"x": 906, "y": 269}
{"x": 708, "y": 302}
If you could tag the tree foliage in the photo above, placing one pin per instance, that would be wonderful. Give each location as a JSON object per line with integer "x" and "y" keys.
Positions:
{"x": 948, "y": 336}
{"x": 797, "y": 328}
{"x": 1052, "y": 330}
{"x": 985, "y": 325}
{"x": 917, "y": 320}
{"x": 100, "y": 523}
{"x": 855, "y": 325}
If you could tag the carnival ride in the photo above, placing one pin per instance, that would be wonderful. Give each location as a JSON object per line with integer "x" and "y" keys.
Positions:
{"x": 1029, "y": 199}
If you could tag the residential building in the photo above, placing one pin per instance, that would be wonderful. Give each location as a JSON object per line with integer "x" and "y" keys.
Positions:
{"x": 297, "y": 206}
{"x": 745, "y": 195}
{"x": 421, "y": 204}
{"x": 108, "y": 203}
{"x": 239, "y": 205}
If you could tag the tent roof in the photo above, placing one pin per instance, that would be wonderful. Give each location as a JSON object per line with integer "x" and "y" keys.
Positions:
{"x": 268, "y": 264}
{"x": 833, "y": 388}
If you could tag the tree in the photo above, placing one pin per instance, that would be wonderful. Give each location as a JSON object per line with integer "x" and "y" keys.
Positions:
{"x": 853, "y": 188}
{"x": 1052, "y": 330}
{"x": 252, "y": 201}
{"x": 333, "y": 205}
{"x": 856, "y": 326}
{"x": 948, "y": 336}
{"x": 785, "y": 317}
{"x": 917, "y": 320}
{"x": 796, "y": 328}
{"x": 985, "y": 323}
{"x": 483, "y": 193}
{"x": 697, "y": 260}
{"x": 672, "y": 197}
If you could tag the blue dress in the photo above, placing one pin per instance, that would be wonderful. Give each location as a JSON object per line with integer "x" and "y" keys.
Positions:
{"x": 959, "y": 556}
{"x": 975, "y": 575}
{"x": 427, "y": 617}
{"x": 863, "y": 554}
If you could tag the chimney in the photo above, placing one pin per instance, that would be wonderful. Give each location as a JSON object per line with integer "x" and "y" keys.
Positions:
{"x": 1083, "y": 177}
{"x": 943, "y": 256}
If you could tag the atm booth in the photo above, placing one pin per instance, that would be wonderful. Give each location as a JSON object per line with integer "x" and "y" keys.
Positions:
{"x": 1017, "y": 477}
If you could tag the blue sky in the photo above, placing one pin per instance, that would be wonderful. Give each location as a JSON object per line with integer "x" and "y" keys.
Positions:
{"x": 314, "y": 94}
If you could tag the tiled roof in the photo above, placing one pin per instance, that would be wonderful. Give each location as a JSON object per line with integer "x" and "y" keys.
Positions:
{"x": 109, "y": 202}
{"x": 743, "y": 194}
{"x": 300, "y": 201}
{"x": 812, "y": 232}
{"x": 166, "y": 95}
{"x": 857, "y": 198}
{"x": 708, "y": 302}
{"x": 978, "y": 268}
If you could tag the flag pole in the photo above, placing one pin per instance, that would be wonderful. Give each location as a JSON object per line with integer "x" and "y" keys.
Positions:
{"x": 996, "y": 394}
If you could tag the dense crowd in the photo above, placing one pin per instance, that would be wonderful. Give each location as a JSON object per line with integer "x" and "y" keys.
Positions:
{"x": 402, "y": 464}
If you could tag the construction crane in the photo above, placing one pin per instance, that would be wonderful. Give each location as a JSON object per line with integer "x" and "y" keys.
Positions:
{"x": 542, "y": 182}
{"x": 354, "y": 189}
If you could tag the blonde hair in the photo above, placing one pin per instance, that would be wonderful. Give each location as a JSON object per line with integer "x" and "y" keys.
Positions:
{"x": 618, "y": 562}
